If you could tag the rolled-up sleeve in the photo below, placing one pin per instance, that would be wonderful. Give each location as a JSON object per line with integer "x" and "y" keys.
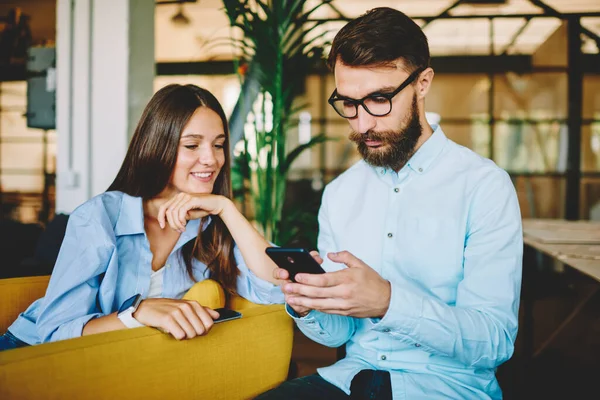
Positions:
{"x": 254, "y": 289}
{"x": 87, "y": 251}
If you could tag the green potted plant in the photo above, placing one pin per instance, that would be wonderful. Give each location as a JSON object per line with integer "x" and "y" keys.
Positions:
{"x": 278, "y": 48}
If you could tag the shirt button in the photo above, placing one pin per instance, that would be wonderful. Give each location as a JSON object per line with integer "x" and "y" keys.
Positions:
{"x": 420, "y": 169}
{"x": 383, "y": 358}
{"x": 396, "y": 190}
{"x": 310, "y": 322}
{"x": 390, "y": 235}
{"x": 417, "y": 345}
{"x": 321, "y": 333}
{"x": 386, "y": 330}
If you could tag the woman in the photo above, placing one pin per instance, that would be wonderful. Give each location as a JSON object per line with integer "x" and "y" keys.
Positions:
{"x": 166, "y": 222}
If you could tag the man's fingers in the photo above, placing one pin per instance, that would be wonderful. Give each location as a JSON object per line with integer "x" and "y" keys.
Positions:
{"x": 322, "y": 280}
{"x": 318, "y": 304}
{"x": 316, "y": 256}
{"x": 347, "y": 258}
{"x": 311, "y": 291}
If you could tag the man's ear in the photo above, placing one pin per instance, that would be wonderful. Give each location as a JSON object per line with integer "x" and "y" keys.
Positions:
{"x": 424, "y": 83}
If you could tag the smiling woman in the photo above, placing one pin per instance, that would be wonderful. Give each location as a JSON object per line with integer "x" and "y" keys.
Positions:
{"x": 166, "y": 222}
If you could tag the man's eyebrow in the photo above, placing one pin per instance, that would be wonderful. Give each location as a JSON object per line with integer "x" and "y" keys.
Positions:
{"x": 383, "y": 89}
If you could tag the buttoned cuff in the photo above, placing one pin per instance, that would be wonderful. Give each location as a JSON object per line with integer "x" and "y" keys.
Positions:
{"x": 403, "y": 313}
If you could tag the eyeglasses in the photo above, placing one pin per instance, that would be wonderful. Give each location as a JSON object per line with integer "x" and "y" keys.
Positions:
{"x": 376, "y": 104}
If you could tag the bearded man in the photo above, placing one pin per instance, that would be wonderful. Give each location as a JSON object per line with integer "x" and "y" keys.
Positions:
{"x": 421, "y": 239}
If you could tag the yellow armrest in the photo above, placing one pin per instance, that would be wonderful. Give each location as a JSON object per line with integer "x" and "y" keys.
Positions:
{"x": 16, "y": 294}
{"x": 238, "y": 359}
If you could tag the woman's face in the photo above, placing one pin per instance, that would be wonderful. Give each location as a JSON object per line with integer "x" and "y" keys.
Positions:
{"x": 201, "y": 154}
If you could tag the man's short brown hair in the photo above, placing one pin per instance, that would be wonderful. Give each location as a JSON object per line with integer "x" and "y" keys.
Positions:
{"x": 379, "y": 38}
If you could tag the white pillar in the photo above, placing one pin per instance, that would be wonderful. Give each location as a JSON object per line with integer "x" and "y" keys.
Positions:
{"x": 105, "y": 74}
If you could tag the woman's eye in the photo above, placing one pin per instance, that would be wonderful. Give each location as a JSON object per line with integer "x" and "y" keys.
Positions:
{"x": 219, "y": 146}
{"x": 191, "y": 146}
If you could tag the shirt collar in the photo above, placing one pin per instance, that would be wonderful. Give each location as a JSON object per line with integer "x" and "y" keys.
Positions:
{"x": 423, "y": 158}
{"x": 130, "y": 220}
{"x": 428, "y": 152}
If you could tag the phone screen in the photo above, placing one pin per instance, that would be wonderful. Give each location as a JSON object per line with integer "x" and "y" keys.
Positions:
{"x": 226, "y": 314}
{"x": 294, "y": 260}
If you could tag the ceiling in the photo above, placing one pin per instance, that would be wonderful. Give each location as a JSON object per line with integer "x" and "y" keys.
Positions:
{"x": 198, "y": 39}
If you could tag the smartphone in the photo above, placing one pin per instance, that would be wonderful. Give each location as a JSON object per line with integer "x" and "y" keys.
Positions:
{"x": 294, "y": 260}
{"x": 226, "y": 314}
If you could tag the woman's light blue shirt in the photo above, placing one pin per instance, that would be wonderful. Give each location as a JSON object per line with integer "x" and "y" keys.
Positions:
{"x": 105, "y": 258}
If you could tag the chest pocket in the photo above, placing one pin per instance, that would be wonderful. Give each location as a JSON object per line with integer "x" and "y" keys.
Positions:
{"x": 431, "y": 253}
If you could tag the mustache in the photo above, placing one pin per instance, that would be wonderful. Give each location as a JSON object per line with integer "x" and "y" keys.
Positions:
{"x": 379, "y": 136}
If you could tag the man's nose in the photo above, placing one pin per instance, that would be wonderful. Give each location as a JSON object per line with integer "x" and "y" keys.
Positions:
{"x": 364, "y": 121}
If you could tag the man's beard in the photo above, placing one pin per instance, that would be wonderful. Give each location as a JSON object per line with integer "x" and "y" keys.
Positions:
{"x": 397, "y": 147}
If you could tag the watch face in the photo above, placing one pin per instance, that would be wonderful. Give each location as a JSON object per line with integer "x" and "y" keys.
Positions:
{"x": 128, "y": 303}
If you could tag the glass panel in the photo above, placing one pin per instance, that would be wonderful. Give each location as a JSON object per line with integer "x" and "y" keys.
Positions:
{"x": 589, "y": 45}
{"x": 22, "y": 156}
{"x": 22, "y": 183}
{"x": 590, "y": 147}
{"x": 530, "y": 147}
{"x": 591, "y": 97}
{"x": 466, "y": 37}
{"x": 540, "y": 196}
{"x": 535, "y": 33}
{"x": 531, "y": 96}
{"x": 339, "y": 154}
{"x": 204, "y": 37}
{"x": 225, "y": 88}
{"x": 474, "y": 136}
{"x": 458, "y": 96}
{"x": 13, "y": 96}
{"x": 590, "y": 198}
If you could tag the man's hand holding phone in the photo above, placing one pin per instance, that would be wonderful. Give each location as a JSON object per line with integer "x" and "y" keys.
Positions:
{"x": 357, "y": 291}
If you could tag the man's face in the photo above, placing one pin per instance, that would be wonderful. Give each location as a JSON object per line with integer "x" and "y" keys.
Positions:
{"x": 387, "y": 141}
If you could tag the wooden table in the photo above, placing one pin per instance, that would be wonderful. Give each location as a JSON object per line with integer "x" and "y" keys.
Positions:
{"x": 574, "y": 243}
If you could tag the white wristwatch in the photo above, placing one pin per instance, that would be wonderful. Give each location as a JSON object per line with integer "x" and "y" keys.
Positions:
{"x": 125, "y": 313}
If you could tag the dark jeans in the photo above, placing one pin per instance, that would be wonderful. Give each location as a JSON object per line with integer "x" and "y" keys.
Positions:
{"x": 9, "y": 341}
{"x": 367, "y": 384}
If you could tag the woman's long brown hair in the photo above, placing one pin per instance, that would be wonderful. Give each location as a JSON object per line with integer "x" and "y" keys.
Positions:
{"x": 149, "y": 163}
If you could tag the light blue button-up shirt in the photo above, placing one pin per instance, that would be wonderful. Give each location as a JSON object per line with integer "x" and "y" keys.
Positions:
{"x": 105, "y": 258}
{"x": 446, "y": 232}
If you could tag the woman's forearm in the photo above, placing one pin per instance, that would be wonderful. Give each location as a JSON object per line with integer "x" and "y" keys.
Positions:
{"x": 106, "y": 323}
{"x": 252, "y": 244}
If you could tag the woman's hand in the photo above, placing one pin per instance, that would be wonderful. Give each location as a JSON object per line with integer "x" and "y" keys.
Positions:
{"x": 184, "y": 207}
{"x": 184, "y": 319}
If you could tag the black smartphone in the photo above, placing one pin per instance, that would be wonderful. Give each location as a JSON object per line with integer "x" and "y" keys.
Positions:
{"x": 294, "y": 260}
{"x": 226, "y": 314}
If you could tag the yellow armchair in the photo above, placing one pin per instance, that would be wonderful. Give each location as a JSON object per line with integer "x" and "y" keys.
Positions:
{"x": 238, "y": 359}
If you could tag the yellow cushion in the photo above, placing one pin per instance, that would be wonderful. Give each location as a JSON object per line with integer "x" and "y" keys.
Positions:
{"x": 208, "y": 293}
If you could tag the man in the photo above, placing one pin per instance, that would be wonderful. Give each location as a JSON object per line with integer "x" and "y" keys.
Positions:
{"x": 423, "y": 239}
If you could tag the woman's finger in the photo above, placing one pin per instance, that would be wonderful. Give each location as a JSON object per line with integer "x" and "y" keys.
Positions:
{"x": 172, "y": 327}
{"x": 162, "y": 212}
{"x": 203, "y": 314}
{"x": 191, "y": 314}
{"x": 185, "y": 324}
